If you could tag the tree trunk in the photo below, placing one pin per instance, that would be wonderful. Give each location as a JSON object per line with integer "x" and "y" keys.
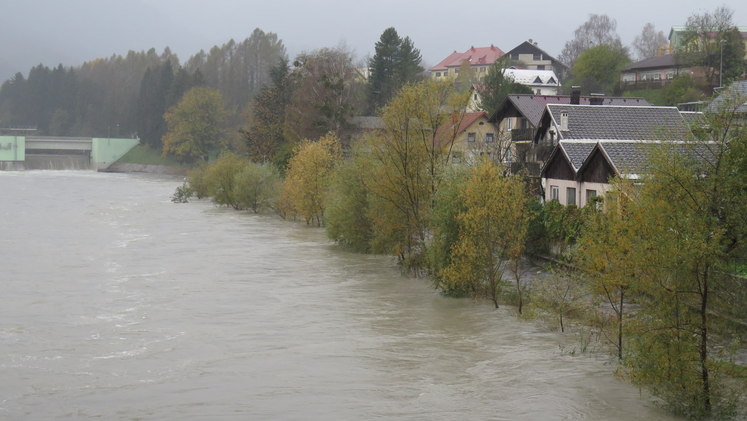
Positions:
{"x": 704, "y": 341}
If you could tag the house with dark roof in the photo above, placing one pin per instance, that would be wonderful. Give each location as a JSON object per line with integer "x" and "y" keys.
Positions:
{"x": 596, "y": 143}
{"x": 519, "y": 115}
{"x": 479, "y": 60}
{"x": 535, "y": 58}
{"x": 655, "y": 72}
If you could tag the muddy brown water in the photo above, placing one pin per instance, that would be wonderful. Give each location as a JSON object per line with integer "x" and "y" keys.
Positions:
{"x": 118, "y": 304}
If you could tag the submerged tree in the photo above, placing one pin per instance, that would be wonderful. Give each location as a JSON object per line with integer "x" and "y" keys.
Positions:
{"x": 492, "y": 231}
{"x": 310, "y": 173}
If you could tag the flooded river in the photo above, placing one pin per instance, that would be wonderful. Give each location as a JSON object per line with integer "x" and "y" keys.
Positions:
{"x": 118, "y": 304}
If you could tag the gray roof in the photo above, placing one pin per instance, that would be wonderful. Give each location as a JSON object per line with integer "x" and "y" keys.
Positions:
{"x": 737, "y": 90}
{"x": 667, "y": 61}
{"x": 532, "y": 106}
{"x": 603, "y": 122}
{"x": 576, "y": 151}
{"x": 630, "y": 157}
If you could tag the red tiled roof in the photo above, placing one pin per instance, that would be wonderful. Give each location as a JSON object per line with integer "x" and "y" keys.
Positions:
{"x": 444, "y": 133}
{"x": 476, "y": 56}
{"x": 470, "y": 118}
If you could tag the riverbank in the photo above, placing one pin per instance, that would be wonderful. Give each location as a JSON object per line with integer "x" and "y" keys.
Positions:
{"x": 144, "y": 159}
{"x": 119, "y": 167}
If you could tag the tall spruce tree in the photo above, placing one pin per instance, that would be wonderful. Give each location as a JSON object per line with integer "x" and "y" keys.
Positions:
{"x": 395, "y": 63}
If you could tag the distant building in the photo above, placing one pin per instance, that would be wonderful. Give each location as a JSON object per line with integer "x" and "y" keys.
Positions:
{"x": 534, "y": 58}
{"x": 655, "y": 72}
{"x": 678, "y": 35}
{"x": 479, "y": 60}
{"x": 541, "y": 82}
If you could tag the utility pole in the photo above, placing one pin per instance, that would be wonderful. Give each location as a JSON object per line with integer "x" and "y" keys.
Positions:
{"x": 721, "y": 65}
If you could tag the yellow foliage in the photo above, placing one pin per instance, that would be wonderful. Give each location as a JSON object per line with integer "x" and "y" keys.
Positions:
{"x": 309, "y": 175}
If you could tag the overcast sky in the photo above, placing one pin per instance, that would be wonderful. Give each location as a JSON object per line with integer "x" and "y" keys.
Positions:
{"x": 73, "y": 31}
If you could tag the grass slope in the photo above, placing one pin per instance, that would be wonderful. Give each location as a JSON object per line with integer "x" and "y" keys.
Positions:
{"x": 144, "y": 154}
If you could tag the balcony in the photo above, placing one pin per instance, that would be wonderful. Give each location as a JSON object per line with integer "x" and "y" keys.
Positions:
{"x": 522, "y": 135}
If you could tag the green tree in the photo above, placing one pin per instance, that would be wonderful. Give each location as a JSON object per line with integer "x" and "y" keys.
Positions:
{"x": 598, "y": 68}
{"x": 265, "y": 134}
{"x": 561, "y": 295}
{"x": 221, "y": 180}
{"x": 497, "y": 87}
{"x": 347, "y": 215}
{"x": 687, "y": 223}
{"x": 701, "y": 44}
{"x": 396, "y": 62}
{"x": 194, "y": 125}
{"x": 256, "y": 186}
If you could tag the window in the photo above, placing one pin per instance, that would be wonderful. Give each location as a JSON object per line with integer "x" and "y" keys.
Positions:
{"x": 571, "y": 196}
{"x": 524, "y": 123}
{"x": 552, "y": 81}
{"x": 471, "y": 137}
{"x": 590, "y": 194}
{"x": 482, "y": 69}
{"x": 554, "y": 193}
{"x": 475, "y": 97}
{"x": 507, "y": 155}
{"x": 540, "y": 67}
{"x": 438, "y": 74}
{"x": 509, "y": 123}
{"x": 456, "y": 70}
{"x": 489, "y": 137}
{"x": 537, "y": 57}
{"x": 537, "y": 80}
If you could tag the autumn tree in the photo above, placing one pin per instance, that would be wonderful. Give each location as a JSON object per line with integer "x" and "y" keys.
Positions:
{"x": 328, "y": 94}
{"x": 309, "y": 175}
{"x": 194, "y": 125}
{"x": 604, "y": 251}
{"x": 647, "y": 43}
{"x": 396, "y": 62}
{"x": 598, "y": 30}
{"x": 408, "y": 158}
{"x": 492, "y": 231}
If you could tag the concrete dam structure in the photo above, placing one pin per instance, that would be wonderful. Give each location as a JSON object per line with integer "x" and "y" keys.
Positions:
{"x": 19, "y": 153}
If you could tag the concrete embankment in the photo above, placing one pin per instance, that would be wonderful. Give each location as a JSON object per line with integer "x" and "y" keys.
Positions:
{"x": 146, "y": 168}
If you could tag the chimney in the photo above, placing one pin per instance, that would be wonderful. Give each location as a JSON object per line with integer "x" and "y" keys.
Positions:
{"x": 564, "y": 121}
{"x": 575, "y": 95}
{"x": 596, "y": 99}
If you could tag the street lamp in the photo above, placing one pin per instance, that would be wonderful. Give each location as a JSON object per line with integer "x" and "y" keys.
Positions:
{"x": 721, "y": 64}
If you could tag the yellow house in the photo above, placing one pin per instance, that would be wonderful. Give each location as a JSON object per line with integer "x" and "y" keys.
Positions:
{"x": 475, "y": 137}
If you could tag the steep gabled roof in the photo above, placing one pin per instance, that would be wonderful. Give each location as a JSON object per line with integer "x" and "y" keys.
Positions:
{"x": 605, "y": 122}
{"x": 532, "y": 106}
{"x": 481, "y": 56}
{"x": 528, "y": 45}
{"x": 574, "y": 153}
{"x": 530, "y": 77}
{"x": 470, "y": 118}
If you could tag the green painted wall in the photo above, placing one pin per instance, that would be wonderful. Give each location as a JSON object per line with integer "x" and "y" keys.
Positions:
{"x": 105, "y": 151}
{"x": 12, "y": 148}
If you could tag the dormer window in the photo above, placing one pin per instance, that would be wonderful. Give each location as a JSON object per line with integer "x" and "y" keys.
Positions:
{"x": 537, "y": 80}
{"x": 552, "y": 81}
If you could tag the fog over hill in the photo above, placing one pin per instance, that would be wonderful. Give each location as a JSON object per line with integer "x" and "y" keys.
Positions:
{"x": 73, "y": 31}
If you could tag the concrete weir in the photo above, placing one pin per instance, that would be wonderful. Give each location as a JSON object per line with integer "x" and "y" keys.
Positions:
{"x": 61, "y": 153}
